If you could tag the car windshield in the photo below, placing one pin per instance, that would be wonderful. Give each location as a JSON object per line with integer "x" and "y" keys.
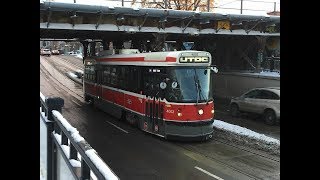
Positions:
{"x": 189, "y": 84}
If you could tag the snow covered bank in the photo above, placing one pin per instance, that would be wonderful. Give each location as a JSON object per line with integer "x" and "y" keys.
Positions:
{"x": 244, "y": 132}
{"x": 240, "y": 135}
{"x": 79, "y": 56}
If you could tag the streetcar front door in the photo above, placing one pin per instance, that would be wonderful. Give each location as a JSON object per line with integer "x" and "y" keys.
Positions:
{"x": 153, "y": 121}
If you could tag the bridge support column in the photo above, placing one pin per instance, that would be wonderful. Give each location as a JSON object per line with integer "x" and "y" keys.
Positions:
{"x": 92, "y": 49}
{"x": 85, "y": 50}
{"x": 260, "y": 54}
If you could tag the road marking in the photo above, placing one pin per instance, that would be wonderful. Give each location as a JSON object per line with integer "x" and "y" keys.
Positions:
{"x": 118, "y": 127}
{"x": 212, "y": 175}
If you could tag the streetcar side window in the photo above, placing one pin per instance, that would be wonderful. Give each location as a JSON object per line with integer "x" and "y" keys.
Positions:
{"x": 113, "y": 81}
{"x": 106, "y": 75}
{"x": 90, "y": 73}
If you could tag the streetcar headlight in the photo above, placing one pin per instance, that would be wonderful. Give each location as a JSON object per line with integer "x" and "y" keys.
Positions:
{"x": 200, "y": 111}
{"x": 212, "y": 111}
{"x": 179, "y": 112}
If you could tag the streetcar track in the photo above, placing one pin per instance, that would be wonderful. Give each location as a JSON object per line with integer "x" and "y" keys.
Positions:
{"x": 70, "y": 62}
{"x": 43, "y": 69}
{"x": 247, "y": 150}
{"x": 218, "y": 161}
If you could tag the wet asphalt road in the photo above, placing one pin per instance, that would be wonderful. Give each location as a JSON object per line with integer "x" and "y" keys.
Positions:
{"x": 133, "y": 154}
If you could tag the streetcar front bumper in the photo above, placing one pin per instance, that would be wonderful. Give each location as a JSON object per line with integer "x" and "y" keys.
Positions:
{"x": 199, "y": 130}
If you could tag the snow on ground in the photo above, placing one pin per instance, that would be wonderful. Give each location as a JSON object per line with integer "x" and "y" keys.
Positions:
{"x": 79, "y": 56}
{"x": 264, "y": 73}
{"x": 267, "y": 73}
{"x": 244, "y": 132}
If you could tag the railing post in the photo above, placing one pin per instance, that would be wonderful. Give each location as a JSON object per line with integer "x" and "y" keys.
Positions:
{"x": 85, "y": 171}
{"x": 54, "y": 103}
{"x": 73, "y": 152}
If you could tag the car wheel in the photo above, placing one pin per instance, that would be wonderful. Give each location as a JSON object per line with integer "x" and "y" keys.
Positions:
{"x": 234, "y": 110}
{"x": 270, "y": 117}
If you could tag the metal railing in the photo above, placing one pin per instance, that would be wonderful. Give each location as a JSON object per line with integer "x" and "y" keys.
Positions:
{"x": 82, "y": 160}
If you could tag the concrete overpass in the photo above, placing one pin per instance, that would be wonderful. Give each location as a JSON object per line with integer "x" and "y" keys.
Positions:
{"x": 67, "y": 21}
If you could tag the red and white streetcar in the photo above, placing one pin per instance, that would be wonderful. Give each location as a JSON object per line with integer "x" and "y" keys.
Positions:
{"x": 168, "y": 94}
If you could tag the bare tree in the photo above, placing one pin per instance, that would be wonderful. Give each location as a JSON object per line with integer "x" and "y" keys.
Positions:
{"x": 190, "y": 5}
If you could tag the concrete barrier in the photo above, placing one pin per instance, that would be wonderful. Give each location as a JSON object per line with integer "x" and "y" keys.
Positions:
{"x": 232, "y": 84}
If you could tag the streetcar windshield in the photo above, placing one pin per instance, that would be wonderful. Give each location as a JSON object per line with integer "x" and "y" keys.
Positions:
{"x": 188, "y": 84}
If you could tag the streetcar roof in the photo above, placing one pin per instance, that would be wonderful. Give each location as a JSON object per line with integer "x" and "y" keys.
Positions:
{"x": 166, "y": 58}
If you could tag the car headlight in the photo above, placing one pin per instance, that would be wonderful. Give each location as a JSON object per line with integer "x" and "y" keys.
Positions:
{"x": 212, "y": 111}
{"x": 200, "y": 111}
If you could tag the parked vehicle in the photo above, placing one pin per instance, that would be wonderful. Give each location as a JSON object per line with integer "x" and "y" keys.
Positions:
{"x": 263, "y": 101}
{"x": 55, "y": 52}
{"x": 45, "y": 52}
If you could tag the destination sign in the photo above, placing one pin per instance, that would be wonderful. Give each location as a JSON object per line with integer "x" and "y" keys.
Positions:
{"x": 194, "y": 59}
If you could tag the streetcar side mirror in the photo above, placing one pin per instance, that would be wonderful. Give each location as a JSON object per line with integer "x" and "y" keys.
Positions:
{"x": 214, "y": 69}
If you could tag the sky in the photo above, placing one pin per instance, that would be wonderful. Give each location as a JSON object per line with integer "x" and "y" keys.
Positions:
{"x": 250, "y": 7}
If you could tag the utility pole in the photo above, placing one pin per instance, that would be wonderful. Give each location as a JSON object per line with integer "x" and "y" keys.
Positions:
{"x": 241, "y": 7}
{"x": 74, "y": 1}
{"x": 122, "y": 3}
{"x": 208, "y": 5}
{"x": 275, "y": 4}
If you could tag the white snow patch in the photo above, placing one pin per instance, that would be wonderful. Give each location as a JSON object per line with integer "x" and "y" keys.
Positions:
{"x": 264, "y": 73}
{"x": 75, "y": 163}
{"x": 77, "y": 137}
{"x": 58, "y": 137}
{"x": 244, "y": 132}
{"x": 103, "y": 168}
{"x": 42, "y": 97}
{"x": 72, "y": 75}
{"x": 79, "y": 156}
{"x": 73, "y": 131}
{"x": 79, "y": 56}
{"x": 267, "y": 73}
{"x": 66, "y": 150}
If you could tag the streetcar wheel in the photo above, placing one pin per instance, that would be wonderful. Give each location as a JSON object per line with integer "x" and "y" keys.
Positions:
{"x": 123, "y": 116}
{"x": 88, "y": 99}
{"x": 270, "y": 117}
{"x": 234, "y": 110}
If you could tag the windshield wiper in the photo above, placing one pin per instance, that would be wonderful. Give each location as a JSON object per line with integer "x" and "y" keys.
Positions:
{"x": 198, "y": 86}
